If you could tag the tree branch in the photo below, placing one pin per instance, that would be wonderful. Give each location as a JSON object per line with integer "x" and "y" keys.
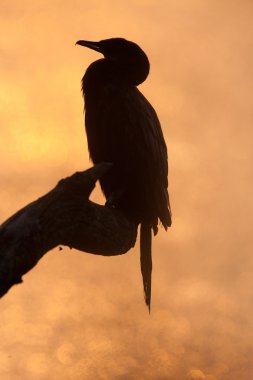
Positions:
{"x": 64, "y": 216}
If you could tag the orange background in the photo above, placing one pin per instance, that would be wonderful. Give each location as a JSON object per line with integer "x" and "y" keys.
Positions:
{"x": 78, "y": 316}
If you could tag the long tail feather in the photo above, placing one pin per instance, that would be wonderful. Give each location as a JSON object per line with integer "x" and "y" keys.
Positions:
{"x": 146, "y": 261}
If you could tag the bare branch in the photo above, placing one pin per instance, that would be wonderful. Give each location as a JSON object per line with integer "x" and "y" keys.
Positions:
{"x": 64, "y": 216}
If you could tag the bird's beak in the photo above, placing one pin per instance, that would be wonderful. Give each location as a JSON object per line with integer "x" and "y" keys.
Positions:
{"x": 89, "y": 44}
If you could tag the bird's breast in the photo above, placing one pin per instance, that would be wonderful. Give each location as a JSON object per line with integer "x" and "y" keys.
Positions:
{"x": 105, "y": 119}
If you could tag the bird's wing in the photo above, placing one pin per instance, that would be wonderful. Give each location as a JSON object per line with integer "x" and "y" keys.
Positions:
{"x": 142, "y": 130}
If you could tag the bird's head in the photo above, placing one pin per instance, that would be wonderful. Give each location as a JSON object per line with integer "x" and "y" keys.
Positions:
{"x": 124, "y": 53}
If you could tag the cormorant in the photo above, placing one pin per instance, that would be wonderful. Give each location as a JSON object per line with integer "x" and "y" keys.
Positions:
{"x": 123, "y": 128}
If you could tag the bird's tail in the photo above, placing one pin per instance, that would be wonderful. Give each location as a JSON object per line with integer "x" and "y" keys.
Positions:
{"x": 146, "y": 261}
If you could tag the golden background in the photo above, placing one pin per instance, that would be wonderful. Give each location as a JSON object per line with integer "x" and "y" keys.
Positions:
{"x": 78, "y": 316}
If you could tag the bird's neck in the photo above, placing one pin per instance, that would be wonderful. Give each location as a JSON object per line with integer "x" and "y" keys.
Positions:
{"x": 106, "y": 71}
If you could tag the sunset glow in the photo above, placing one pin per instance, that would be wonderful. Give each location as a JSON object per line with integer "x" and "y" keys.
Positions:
{"x": 79, "y": 316}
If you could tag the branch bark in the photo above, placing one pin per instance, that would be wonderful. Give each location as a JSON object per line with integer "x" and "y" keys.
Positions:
{"x": 64, "y": 216}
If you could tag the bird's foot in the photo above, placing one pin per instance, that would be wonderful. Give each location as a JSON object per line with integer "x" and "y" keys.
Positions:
{"x": 112, "y": 200}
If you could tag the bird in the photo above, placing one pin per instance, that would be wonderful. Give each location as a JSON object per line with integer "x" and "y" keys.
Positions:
{"x": 123, "y": 128}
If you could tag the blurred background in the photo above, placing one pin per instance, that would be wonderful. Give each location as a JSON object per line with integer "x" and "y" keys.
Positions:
{"x": 78, "y": 316}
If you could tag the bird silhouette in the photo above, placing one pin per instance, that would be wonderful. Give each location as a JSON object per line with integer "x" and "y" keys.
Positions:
{"x": 123, "y": 128}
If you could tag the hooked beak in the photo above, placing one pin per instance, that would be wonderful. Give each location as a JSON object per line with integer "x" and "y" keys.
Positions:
{"x": 89, "y": 44}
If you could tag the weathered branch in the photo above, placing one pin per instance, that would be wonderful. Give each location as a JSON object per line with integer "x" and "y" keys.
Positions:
{"x": 64, "y": 216}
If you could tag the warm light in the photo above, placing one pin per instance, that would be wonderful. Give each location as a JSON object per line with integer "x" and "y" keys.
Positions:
{"x": 46, "y": 147}
{"x": 82, "y": 317}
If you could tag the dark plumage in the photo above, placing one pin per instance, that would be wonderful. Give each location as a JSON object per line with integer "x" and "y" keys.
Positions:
{"x": 122, "y": 128}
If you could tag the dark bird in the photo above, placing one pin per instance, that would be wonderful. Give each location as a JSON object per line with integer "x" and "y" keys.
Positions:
{"x": 123, "y": 128}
